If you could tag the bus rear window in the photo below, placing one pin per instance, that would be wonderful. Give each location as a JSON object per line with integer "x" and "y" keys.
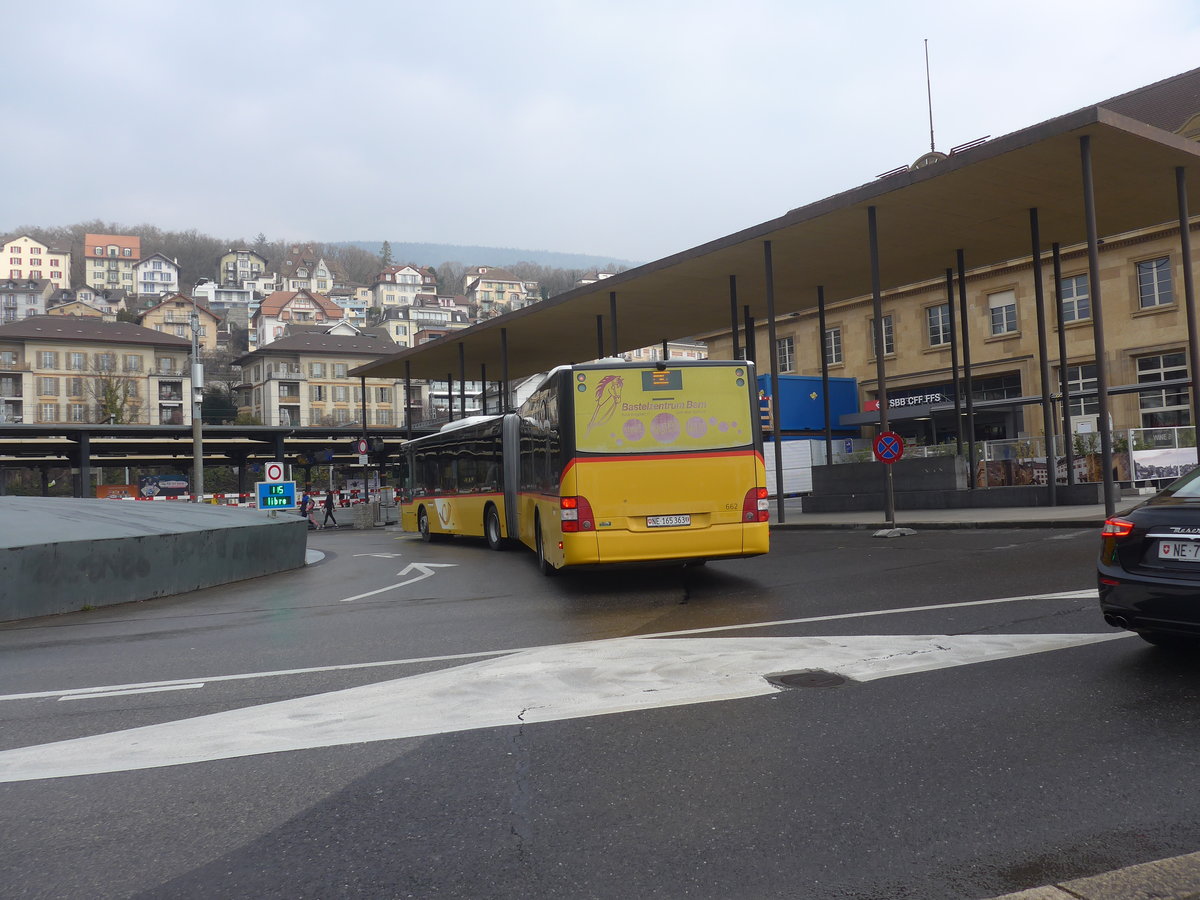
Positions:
{"x": 670, "y": 410}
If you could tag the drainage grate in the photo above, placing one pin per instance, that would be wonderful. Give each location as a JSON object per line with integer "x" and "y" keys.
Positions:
{"x": 807, "y": 678}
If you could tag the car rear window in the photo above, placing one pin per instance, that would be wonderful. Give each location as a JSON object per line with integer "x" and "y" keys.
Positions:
{"x": 1187, "y": 486}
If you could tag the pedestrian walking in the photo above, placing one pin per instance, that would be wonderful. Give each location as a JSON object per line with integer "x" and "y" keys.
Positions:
{"x": 329, "y": 506}
{"x": 308, "y": 508}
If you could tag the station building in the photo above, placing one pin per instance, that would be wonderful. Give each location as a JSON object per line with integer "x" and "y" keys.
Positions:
{"x": 1145, "y": 321}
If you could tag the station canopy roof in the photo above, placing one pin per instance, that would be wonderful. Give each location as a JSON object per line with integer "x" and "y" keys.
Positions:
{"x": 977, "y": 200}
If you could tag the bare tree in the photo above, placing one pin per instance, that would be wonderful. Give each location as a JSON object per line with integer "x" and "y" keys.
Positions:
{"x": 116, "y": 395}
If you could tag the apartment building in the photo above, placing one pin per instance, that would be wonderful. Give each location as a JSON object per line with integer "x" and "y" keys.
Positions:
{"x": 493, "y": 291}
{"x": 21, "y": 298}
{"x": 402, "y": 285}
{"x": 81, "y": 369}
{"x": 408, "y": 326}
{"x": 29, "y": 258}
{"x": 109, "y": 261}
{"x": 304, "y": 270}
{"x": 302, "y": 379}
{"x": 156, "y": 274}
{"x": 237, "y": 267}
{"x": 282, "y": 308}
{"x": 173, "y": 315}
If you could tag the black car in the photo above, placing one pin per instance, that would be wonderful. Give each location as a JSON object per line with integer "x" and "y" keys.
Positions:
{"x": 1149, "y": 567}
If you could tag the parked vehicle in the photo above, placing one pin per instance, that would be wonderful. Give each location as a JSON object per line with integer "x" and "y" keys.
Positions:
{"x": 1149, "y": 566}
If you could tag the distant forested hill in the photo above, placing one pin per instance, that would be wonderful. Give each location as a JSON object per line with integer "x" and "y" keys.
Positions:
{"x": 436, "y": 254}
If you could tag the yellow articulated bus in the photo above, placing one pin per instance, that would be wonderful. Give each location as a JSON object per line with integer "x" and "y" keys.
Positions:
{"x": 605, "y": 463}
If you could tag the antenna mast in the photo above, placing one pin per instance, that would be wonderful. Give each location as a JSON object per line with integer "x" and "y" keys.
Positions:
{"x": 929, "y": 95}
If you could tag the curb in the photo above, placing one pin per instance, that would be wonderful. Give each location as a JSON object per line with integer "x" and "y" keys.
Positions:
{"x": 1175, "y": 878}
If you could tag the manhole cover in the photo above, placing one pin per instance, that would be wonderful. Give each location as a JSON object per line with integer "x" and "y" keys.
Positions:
{"x": 810, "y": 678}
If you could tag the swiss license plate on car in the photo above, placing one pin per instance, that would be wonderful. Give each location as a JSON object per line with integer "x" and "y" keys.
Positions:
{"x": 667, "y": 521}
{"x": 1189, "y": 550}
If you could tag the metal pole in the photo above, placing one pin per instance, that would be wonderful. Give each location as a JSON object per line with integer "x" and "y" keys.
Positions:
{"x": 769, "y": 275}
{"x": 505, "y": 405}
{"x": 1189, "y": 296}
{"x": 408, "y": 398}
{"x": 954, "y": 383}
{"x": 968, "y": 387}
{"x": 824, "y": 374}
{"x": 462, "y": 381}
{"x": 733, "y": 316}
{"x": 1064, "y": 382}
{"x": 1039, "y": 294}
{"x": 362, "y": 402}
{"x": 751, "y": 342}
{"x": 600, "y": 337}
{"x": 612, "y": 314}
{"x": 889, "y": 505}
{"x": 483, "y": 388}
{"x": 197, "y": 409}
{"x": 666, "y": 351}
{"x": 1093, "y": 240}
{"x": 449, "y": 397}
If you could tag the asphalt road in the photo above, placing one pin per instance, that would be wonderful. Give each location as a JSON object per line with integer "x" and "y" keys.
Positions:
{"x": 362, "y": 728}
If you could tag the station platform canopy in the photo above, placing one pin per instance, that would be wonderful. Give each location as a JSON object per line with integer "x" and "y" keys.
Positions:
{"x": 977, "y": 200}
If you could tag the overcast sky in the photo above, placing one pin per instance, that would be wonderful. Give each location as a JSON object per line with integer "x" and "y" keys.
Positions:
{"x": 629, "y": 130}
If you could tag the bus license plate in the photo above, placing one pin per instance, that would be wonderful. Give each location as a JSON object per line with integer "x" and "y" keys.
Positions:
{"x": 1189, "y": 550}
{"x": 667, "y": 521}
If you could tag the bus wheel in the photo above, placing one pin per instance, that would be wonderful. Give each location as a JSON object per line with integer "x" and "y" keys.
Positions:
{"x": 423, "y": 526}
{"x": 491, "y": 528}
{"x": 544, "y": 565}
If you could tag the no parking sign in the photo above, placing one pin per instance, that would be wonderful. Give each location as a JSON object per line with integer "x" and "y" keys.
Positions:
{"x": 888, "y": 447}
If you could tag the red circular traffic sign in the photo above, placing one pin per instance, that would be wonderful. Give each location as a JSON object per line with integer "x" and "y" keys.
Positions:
{"x": 274, "y": 471}
{"x": 888, "y": 447}
{"x": 361, "y": 445}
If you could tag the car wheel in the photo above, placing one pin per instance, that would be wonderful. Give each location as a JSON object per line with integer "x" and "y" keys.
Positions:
{"x": 1169, "y": 641}
{"x": 491, "y": 528}
{"x": 544, "y": 565}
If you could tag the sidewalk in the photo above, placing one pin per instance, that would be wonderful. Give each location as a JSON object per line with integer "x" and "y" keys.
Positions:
{"x": 1001, "y": 517}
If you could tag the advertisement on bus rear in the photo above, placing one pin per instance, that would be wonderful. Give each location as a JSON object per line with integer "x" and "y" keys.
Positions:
{"x": 672, "y": 410}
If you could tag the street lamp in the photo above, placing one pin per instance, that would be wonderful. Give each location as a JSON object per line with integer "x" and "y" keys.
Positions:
{"x": 197, "y": 409}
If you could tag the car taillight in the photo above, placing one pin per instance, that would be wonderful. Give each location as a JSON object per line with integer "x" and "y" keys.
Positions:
{"x": 1117, "y": 528}
{"x": 756, "y": 507}
{"x": 576, "y": 514}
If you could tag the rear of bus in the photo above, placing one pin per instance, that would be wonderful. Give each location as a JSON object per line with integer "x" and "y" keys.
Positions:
{"x": 665, "y": 464}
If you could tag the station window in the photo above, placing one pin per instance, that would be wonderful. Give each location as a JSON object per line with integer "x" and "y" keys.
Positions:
{"x": 1002, "y": 308}
{"x": 1168, "y": 406}
{"x": 1075, "y": 298}
{"x": 785, "y": 351}
{"x": 938, "y": 320}
{"x": 1154, "y": 282}
{"x": 889, "y": 337}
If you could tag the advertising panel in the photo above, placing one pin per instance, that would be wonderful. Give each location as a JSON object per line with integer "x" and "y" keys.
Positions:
{"x": 625, "y": 411}
{"x": 163, "y": 486}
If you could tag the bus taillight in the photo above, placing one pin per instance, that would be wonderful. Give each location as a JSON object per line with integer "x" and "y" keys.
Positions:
{"x": 756, "y": 507}
{"x": 576, "y": 514}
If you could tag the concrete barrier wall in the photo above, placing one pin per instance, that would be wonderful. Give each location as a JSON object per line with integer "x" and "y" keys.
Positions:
{"x": 63, "y": 555}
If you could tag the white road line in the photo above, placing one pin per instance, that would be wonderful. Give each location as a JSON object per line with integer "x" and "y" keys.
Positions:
{"x": 89, "y": 695}
{"x": 1085, "y": 594}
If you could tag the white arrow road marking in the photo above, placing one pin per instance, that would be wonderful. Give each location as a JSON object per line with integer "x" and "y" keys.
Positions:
{"x": 1085, "y": 594}
{"x": 541, "y": 685}
{"x": 380, "y": 555}
{"x": 425, "y": 570}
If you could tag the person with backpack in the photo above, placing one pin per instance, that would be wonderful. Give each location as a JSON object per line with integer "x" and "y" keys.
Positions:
{"x": 307, "y": 509}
